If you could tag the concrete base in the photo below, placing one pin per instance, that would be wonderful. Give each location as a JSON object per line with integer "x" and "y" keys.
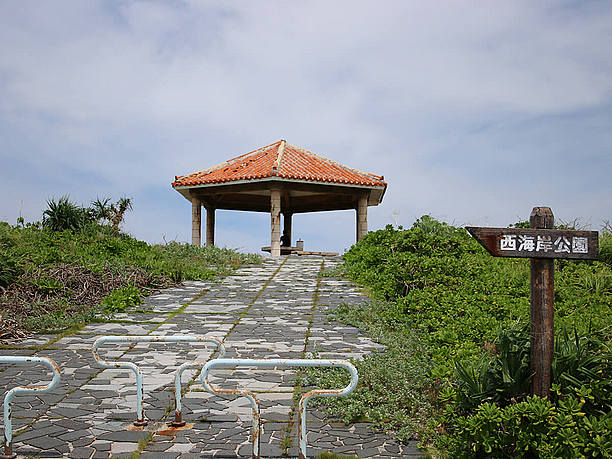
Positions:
{"x": 283, "y": 250}
{"x": 300, "y": 251}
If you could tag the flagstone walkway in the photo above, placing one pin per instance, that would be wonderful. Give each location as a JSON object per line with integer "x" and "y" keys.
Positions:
{"x": 272, "y": 310}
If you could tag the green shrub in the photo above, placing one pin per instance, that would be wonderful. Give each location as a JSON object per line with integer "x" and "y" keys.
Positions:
{"x": 583, "y": 367}
{"x": 531, "y": 428}
{"x": 63, "y": 215}
{"x": 580, "y": 366}
{"x": 122, "y": 299}
{"x": 605, "y": 248}
{"x": 9, "y": 269}
{"x": 48, "y": 286}
{"x": 433, "y": 282}
{"x": 503, "y": 377}
{"x": 394, "y": 262}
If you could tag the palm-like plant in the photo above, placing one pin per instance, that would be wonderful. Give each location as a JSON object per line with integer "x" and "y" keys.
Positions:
{"x": 103, "y": 211}
{"x": 118, "y": 209}
{"x": 64, "y": 215}
{"x": 100, "y": 209}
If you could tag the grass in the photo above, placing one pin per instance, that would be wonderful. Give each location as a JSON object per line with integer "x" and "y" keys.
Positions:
{"x": 395, "y": 390}
{"x": 142, "y": 444}
{"x": 52, "y": 280}
{"x": 334, "y": 456}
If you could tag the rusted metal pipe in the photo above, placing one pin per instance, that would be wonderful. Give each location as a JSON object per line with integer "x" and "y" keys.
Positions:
{"x": 140, "y": 421}
{"x": 8, "y": 425}
{"x": 178, "y": 406}
{"x": 322, "y": 393}
{"x": 280, "y": 363}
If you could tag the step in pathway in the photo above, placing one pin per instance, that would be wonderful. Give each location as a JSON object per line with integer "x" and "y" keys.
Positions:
{"x": 277, "y": 309}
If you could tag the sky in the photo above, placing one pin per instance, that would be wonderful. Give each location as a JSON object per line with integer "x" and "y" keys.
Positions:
{"x": 474, "y": 112}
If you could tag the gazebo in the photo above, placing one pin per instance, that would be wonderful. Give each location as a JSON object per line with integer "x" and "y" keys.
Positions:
{"x": 280, "y": 178}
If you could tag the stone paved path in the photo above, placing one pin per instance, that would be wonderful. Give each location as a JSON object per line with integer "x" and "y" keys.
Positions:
{"x": 276, "y": 309}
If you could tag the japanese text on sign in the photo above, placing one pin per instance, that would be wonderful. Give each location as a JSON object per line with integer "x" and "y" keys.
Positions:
{"x": 543, "y": 244}
{"x": 538, "y": 242}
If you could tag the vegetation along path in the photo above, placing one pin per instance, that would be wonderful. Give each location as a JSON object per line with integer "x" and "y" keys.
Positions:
{"x": 276, "y": 309}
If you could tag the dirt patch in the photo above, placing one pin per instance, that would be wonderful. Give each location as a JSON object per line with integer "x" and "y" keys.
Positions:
{"x": 64, "y": 289}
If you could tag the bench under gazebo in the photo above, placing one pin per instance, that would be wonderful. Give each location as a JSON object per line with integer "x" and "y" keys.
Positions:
{"x": 280, "y": 178}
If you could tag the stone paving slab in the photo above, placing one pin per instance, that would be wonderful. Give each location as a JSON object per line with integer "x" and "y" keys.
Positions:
{"x": 273, "y": 310}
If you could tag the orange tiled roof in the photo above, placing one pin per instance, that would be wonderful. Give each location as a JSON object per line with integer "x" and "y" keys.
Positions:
{"x": 280, "y": 159}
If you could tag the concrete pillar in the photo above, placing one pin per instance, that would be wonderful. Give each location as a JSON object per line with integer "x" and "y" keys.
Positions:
{"x": 210, "y": 226}
{"x": 362, "y": 217}
{"x": 287, "y": 226}
{"x": 275, "y": 211}
{"x": 196, "y": 222}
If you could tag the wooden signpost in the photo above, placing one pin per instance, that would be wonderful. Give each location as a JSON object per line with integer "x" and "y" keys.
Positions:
{"x": 542, "y": 245}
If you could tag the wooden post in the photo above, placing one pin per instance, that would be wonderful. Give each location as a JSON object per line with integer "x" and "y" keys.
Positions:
{"x": 541, "y": 244}
{"x": 196, "y": 221}
{"x": 542, "y": 310}
{"x": 362, "y": 217}
{"x": 287, "y": 225}
{"x": 275, "y": 211}
{"x": 210, "y": 226}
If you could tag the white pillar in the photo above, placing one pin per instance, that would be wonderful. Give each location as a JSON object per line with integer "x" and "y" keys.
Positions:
{"x": 210, "y": 226}
{"x": 275, "y": 211}
{"x": 362, "y": 217}
{"x": 196, "y": 221}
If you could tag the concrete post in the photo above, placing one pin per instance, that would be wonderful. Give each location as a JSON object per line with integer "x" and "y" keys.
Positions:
{"x": 196, "y": 222}
{"x": 362, "y": 217}
{"x": 210, "y": 226}
{"x": 275, "y": 211}
{"x": 287, "y": 226}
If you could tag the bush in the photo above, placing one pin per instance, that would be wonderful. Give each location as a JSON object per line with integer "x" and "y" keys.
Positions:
{"x": 532, "y": 428}
{"x": 605, "y": 248}
{"x": 580, "y": 366}
{"x": 122, "y": 299}
{"x": 433, "y": 282}
{"x": 64, "y": 215}
{"x": 9, "y": 269}
{"x": 48, "y": 286}
{"x": 501, "y": 378}
{"x": 394, "y": 262}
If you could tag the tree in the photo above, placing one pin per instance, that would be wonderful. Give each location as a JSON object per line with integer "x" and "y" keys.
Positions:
{"x": 102, "y": 210}
{"x": 118, "y": 209}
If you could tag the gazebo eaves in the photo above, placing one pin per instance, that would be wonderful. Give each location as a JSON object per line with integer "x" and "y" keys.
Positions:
{"x": 375, "y": 193}
{"x": 284, "y": 180}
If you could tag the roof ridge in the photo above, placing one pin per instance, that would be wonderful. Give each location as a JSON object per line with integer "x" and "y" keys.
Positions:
{"x": 336, "y": 163}
{"x": 208, "y": 170}
{"x": 279, "y": 156}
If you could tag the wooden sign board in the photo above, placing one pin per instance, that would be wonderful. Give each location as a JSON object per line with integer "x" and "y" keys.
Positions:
{"x": 537, "y": 243}
{"x": 542, "y": 244}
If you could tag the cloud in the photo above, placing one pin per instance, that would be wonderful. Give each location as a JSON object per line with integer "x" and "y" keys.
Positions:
{"x": 469, "y": 110}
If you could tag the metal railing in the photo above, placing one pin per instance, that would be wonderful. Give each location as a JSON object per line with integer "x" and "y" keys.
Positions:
{"x": 280, "y": 363}
{"x": 8, "y": 425}
{"x": 178, "y": 406}
{"x": 140, "y": 421}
